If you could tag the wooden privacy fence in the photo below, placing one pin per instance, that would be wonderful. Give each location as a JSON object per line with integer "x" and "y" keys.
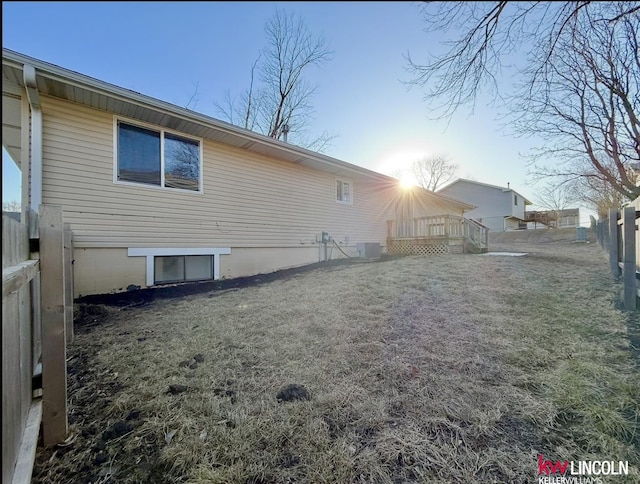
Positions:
{"x": 620, "y": 236}
{"x": 37, "y": 324}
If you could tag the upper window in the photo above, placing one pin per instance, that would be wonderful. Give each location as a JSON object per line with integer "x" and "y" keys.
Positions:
{"x": 515, "y": 199}
{"x": 156, "y": 157}
{"x": 343, "y": 191}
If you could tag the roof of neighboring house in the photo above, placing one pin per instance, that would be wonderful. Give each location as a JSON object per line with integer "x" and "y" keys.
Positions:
{"x": 14, "y": 215}
{"x": 62, "y": 83}
{"x": 504, "y": 189}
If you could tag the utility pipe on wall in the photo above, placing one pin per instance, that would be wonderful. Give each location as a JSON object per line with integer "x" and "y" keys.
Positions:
{"x": 35, "y": 160}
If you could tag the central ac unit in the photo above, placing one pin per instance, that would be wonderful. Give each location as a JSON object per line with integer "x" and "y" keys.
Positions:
{"x": 369, "y": 250}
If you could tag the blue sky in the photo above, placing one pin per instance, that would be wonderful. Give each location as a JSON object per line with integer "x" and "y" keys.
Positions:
{"x": 163, "y": 49}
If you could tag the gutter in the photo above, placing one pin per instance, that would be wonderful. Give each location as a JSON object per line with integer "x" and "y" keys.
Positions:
{"x": 76, "y": 79}
{"x": 72, "y": 78}
{"x": 52, "y": 71}
{"x": 35, "y": 158}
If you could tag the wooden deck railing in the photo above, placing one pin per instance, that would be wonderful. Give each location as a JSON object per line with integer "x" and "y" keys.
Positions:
{"x": 477, "y": 233}
{"x": 439, "y": 227}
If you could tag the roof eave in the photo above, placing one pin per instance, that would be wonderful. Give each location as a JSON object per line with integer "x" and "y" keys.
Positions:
{"x": 82, "y": 81}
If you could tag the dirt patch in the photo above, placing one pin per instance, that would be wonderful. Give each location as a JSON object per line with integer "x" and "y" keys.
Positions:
{"x": 97, "y": 431}
{"x": 293, "y": 392}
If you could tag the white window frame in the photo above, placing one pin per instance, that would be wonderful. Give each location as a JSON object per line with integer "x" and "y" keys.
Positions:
{"x": 151, "y": 252}
{"x": 162, "y": 131}
{"x": 335, "y": 188}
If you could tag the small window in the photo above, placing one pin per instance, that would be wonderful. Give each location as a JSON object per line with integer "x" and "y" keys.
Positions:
{"x": 182, "y": 268}
{"x": 343, "y": 191}
{"x": 142, "y": 159}
{"x": 515, "y": 200}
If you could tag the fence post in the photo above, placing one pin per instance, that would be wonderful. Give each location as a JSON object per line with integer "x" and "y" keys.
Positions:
{"x": 629, "y": 268}
{"x": 54, "y": 353}
{"x": 613, "y": 242}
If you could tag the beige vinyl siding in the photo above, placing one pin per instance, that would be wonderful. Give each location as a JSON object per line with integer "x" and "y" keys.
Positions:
{"x": 248, "y": 200}
{"x": 100, "y": 271}
{"x": 268, "y": 211}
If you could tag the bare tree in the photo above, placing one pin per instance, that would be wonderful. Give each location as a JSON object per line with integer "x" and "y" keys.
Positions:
{"x": 245, "y": 109}
{"x": 597, "y": 194}
{"x": 194, "y": 98}
{"x": 278, "y": 102}
{"x": 555, "y": 198}
{"x": 587, "y": 104}
{"x": 431, "y": 172}
{"x": 579, "y": 87}
{"x": 11, "y": 206}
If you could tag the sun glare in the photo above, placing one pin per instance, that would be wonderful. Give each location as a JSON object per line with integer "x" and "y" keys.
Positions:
{"x": 407, "y": 182}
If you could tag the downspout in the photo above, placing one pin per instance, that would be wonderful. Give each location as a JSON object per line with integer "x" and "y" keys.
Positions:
{"x": 35, "y": 164}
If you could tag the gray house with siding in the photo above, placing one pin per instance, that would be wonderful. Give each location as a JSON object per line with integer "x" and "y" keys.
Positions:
{"x": 498, "y": 208}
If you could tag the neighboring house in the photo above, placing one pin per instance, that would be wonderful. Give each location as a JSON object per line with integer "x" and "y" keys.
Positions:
{"x": 497, "y": 208}
{"x": 567, "y": 218}
{"x": 155, "y": 193}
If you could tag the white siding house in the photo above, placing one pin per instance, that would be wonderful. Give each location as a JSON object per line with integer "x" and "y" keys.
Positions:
{"x": 498, "y": 208}
{"x": 155, "y": 193}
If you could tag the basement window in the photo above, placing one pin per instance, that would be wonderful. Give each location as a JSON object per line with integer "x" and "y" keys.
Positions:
{"x": 157, "y": 157}
{"x": 182, "y": 268}
{"x": 343, "y": 191}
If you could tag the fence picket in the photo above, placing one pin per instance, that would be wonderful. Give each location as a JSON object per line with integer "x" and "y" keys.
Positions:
{"x": 619, "y": 236}
{"x": 22, "y": 338}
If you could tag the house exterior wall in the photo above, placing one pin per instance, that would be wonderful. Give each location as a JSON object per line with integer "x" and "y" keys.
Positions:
{"x": 567, "y": 218}
{"x": 494, "y": 224}
{"x": 511, "y": 223}
{"x": 517, "y": 209}
{"x": 493, "y": 204}
{"x": 269, "y": 212}
{"x": 105, "y": 270}
{"x": 569, "y": 221}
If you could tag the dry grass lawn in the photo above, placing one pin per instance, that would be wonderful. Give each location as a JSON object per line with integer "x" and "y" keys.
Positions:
{"x": 459, "y": 368}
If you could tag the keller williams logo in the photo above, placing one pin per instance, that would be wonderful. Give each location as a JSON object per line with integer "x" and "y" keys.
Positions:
{"x": 578, "y": 472}
{"x": 549, "y": 467}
